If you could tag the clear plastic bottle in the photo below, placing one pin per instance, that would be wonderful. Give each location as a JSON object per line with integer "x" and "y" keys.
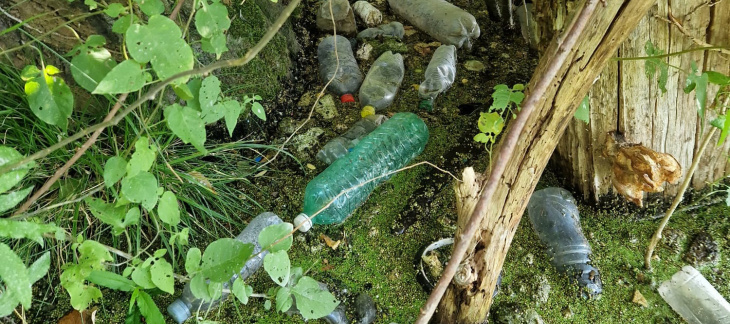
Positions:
{"x": 443, "y": 21}
{"x": 368, "y": 13}
{"x": 528, "y": 26}
{"x": 554, "y": 217}
{"x": 695, "y": 299}
{"x": 382, "y": 82}
{"x": 388, "y": 148}
{"x": 440, "y": 75}
{"x": 341, "y": 145}
{"x": 182, "y": 308}
{"x": 348, "y": 77}
{"x": 343, "y": 14}
{"x": 502, "y": 11}
{"x": 392, "y": 29}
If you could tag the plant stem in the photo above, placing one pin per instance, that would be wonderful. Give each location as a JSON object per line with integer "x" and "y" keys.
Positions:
{"x": 640, "y": 58}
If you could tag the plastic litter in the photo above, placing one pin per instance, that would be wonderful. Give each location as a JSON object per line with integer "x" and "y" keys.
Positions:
{"x": 341, "y": 145}
{"x": 348, "y": 77}
{"x": 443, "y": 21}
{"x": 440, "y": 75}
{"x": 555, "y": 219}
{"x": 182, "y": 308}
{"x": 368, "y": 13}
{"x": 502, "y": 11}
{"x": 695, "y": 299}
{"x": 388, "y": 148}
{"x": 338, "y": 316}
{"x": 382, "y": 81}
{"x": 365, "y": 309}
{"x": 393, "y": 29}
{"x": 528, "y": 26}
{"x": 343, "y": 15}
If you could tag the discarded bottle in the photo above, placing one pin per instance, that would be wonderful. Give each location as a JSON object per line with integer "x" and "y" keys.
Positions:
{"x": 528, "y": 26}
{"x": 368, "y": 13}
{"x": 382, "y": 82}
{"x": 695, "y": 299}
{"x": 341, "y": 145}
{"x": 440, "y": 75}
{"x": 388, "y": 148}
{"x": 443, "y": 21}
{"x": 365, "y": 309}
{"x": 343, "y": 15}
{"x": 502, "y": 11}
{"x": 393, "y": 29}
{"x": 348, "y": 78}
{"x": 554, "y": 217}
{"x": 182, "y": 308}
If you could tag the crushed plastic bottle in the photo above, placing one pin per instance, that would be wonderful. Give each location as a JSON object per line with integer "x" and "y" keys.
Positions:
{"x": 365, "y": 309}
{"x": 695, "y": 299}
{"x": 182, "y": 308}
{"x": 393, "y": 29}
{"x": 528, "y": 26}
{"x": 443, "y": 21}
{"x": 382, "y": 82}
{"x": 368, "y": 13}
{"x": 502, "y": 11}
{"x": 388, "y": 148}
{"x": 348, "y": 77}
{"x": 555, "y": 219}
{"x": 440, "y": 75}
{"x": 341, "y": 145}
{"x": 343, "y": 15}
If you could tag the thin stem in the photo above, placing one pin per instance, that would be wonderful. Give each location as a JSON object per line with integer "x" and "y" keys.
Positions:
{"x": 50, "y": 32}
{"x": 641, "y": 58}
{"x": 96, "y": 189}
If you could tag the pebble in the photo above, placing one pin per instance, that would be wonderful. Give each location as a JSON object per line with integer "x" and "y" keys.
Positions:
{"x": 365, "y": 309}
{"x": 474, "y": 65}
{"x": 364, "y": 52}
{"x": 326, "y": 107}
{"x": 311, "y": 166}
{"x": 308, "y": 140}
{"x": 567, "y": 313}
{"x": 639, "y": 299}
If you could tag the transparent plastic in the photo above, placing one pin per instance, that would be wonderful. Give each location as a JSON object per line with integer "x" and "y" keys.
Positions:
{"x": 441, "y": 20}
{"x": 695, "y": 299}
{"x": 343, "y": 14}
{"x": 388, "y": 148}
{"x": 337, "y": 316}
{"x": 341, "y": 145}
{"x": 182, "y": 308}
{"x": 348, "y": 78}
{"x": 555, "y": 219}
{"x": 382, "y": 81}
{"x": 440, "y": 75}
{"x": 528, "y": 26}
{"x": 368, "y": 13}
{"x": 393, "y": 29}
{"x": 502, "y": 11}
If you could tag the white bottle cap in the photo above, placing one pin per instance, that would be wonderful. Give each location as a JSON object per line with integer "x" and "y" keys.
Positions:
{"x": 304, "y": 221}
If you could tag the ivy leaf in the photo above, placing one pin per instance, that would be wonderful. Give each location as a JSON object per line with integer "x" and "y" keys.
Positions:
{"x": 161, "y": 44}
{"x": 232, "y": 109}
{"x": 717, "y": 78}
{"x": 142, "y": 189}
{"x": 483, "y": 138}
{"x": 151, "y": 7}
{"x": 91, "y": 65}
{"x": 192, "y": 260}
{"x": 215, "y": 45}
{"x": 114, "y": 170}
{"x": 125, "y": 77}
{"x": 186, "y": 123}
{"x": 110, "y": 280}
{"x": 210, "y": 89}
{"x": 15, "y": 277}
{"x": 49, "y": 97}
{"x": 273, "y": 233}
{"x": 28, "y": 230}
{"x": 143, "y": 157}
{"x": 312, "y": 301}
{"x": 277, "y": 265}
{"x": 12, "y": 199}
{"x": 284, "y": 299}
{"x": 583, "y": 112}
{"x": 148, "y": 308}
{"x": 490, "y": 123}
{"x": 224, "y": 258}
{"x": 212, "y": 19}
{"x": 168, "y": 209}
{"x": 11, "y": 178}
{"x": 651, "y": 66}
{"x": 162, "y": 276}
{"x": 123, "y": 23}
{"x": 259, "y": 111}
{"x": 114, "y": 9}
{"x": 241, "y": 290}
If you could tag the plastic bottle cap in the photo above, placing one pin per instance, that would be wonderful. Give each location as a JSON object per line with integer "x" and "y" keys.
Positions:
{"x": 304, "y": 221}
{"x": 179, "y": 311}
{"x": 347, "y": 98}
{"x": 367, "y": 111}
{"x": 426, "y": 104}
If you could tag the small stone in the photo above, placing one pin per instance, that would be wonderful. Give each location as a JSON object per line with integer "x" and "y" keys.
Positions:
{"x": 567, "y": 313}
{"x": 464, "y": 81}
{"x": 308, "y": 140}
{"x": 543, "y": 290}
{"x": 703, "y": 251}
{"x": 365, "y": 309}
{"x": 311, "y": 166}
{"x": 433, "y": 264}
{"x": 326, "y": 107}
{"x": 307, "y": 99}
{"x": 365, "y": 52}
{"x": 639, "y": 299}
{"x": 529, "y": 258}
{"x": 289, "y": 125}
{"x": 474, "y": 65}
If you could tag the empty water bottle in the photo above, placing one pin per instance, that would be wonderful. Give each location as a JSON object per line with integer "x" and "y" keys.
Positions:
{"x": 554, "y": 217}
{"x": 502, "y": 11}
{"x": 388, "y": 148}
{"x": 695, "y": 299}
{"x": 182, "y": 308}
{"x": 341, "y": 145}
{"x": 440, "y": 75}
{"x": 347, "y": 78}
{"x": 393, "y": 29}
{"x": 382, "y": 82}
{"x": 343, "y": 14}
{"x": 368, "y": 13}
{"x": 443, "y": 21}
{"x": 528, "y": 26}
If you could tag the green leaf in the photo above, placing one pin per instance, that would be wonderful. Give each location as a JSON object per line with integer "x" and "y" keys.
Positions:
{"x": 199, "y": 288}
{"x": 50, "y": 98}
{"x": 210, "y": 89}
{"x": 141, "y": 188}
{"x": 91, "y": 3}
{"x": 273, "y": 233}
{"x": 148, "y": 308}
{"x": 180, "y": 237}
{"x": 114, "y": 9}
{"x": 83, "y": 295}
{"x": 267, "y": 304}
{"x": 490, "y": 123}
{"x": 725, "y": 128}
{"x": 312, "y": 301}
{"x": 215, "y": 290}
{"x": 91, "y": 65}
{"x": 161, "y": 44}
{"x": 93, "y": 254}
{"x": 518, "y": 87}
{"x": 194, "y": 85}
{"x": 114, "y": 170}
{"x": 212, "y": 19}
{"x": 29, "y": 72}
{"x": 123, "y": 23}
{"x": 110, "y": 280}
{"x": 108, "y": 213}
{"x": 11, "y": 178}
{"x": 277, "y": 265}
{"x": 717, "y": 78}
{"x": 718, "y": 122}
{"x": 259, "y": 111}
{"x": 284, "y": 299}
{"x": 125, "y": 77}
{"x": 182, "y": 91}
{"x": 215, "y": 45}
{"x": 168, "y": 209}
{"x": 162, "y": 276}
{"x": 192, "y": 260}
{"x": 651, "y": 66}
{"x": 24, "y": 229}
{"x": 241, "y": 290}
{"x": 151, "y": 7}
{"x": 10, "y": 200}
{"x": 500, "y": 97}
{"x": 232, "y": 109}
{"x": 583, "y": 112}
{"x": 142, "y": 277}
{"x": 159, "y": 253}
{"x": 483, "y": 138}
{"x": 143, "y": 157}
{"x": 39, "y": 268}
{"x": 186, "y": 123}
{"x": 15, "y": 276}
{"x": 224, "y": 258}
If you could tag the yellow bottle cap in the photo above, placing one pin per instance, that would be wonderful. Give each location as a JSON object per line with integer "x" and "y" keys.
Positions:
{"x": 367, "y": 111}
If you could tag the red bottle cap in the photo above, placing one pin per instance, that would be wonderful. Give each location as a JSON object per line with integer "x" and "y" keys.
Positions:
{"x": 347, "y": 98}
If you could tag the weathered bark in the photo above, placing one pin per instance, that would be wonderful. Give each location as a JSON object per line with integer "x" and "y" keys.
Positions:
{"x": 469, "y": 303}
{"x": 625, "y": 100}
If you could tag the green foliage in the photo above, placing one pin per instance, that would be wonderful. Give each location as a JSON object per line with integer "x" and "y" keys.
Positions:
{"x": 272, "y": 234}
{"x": 211, "y": 21}
{"x": 241, "y": 290}
{"x": 48, "y": 95}
{"x": 160, "y": 43}
{"x": 224, "y": 258}
{"x": 128, "y": 76}
{"x": 114, "y": 170}
{"x": 18, "y": 279}
{"x": 92, "y": 256}
{"x": 118, "y": 217}
{"x": 491, "y": 123}
{"x": 168, "y": 210}
{"x": 698, "y": 83}
{"x": 583, "y": 113}
{"x": 110, "y": 280}
{"x": 187, "y": 124}
{"x": 312, "y": 301}
{"x": 277, "y": 264}
{"x": 28, "y": 230}
{"x": 91, "y": 62}
{"x": 141, "y": 188}
{"x": 151, "y": 7}
{"x": 10, "y": 179}
{"x": 147, "y": 307}
{"x": 652, "y": 65}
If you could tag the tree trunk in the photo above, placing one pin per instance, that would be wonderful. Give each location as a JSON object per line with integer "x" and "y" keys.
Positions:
{"x": 623, "y": 99}
{"x": 469, "y": 302}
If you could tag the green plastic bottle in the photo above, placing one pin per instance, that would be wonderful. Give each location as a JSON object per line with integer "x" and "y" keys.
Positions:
{"x": 388, "y": 148}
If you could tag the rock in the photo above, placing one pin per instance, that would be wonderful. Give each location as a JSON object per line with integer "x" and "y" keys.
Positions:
{"x": 364, "y": 52}
{"x": 567, "y": 313}
{"x": 703, "y": 251}
{"x": 308, "y": 140}
{"x": 365, "y": 309}
{"x": 474, "y": 65}
{"x": 288, "y": 125}
{"x": 529, "y": 258}
{"x": 307, "y": 99}
{"x": 326, "y": 107}
{"x": 639, "y": 299}
{"x": 433, "y": 264}
{"x": 512, "y": 313}
{"x": 543, "y": 290}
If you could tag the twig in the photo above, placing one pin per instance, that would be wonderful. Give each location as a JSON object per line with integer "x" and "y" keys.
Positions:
{"x": 643, "y": 58}
{"x": 175, "y": 11}
{"x": 692, "y": 207}
{"x": 51, "y": 32}
{"x": 96, "y": 189}
{"x": 673, "y": 20}
{"x": 505, "y": 153}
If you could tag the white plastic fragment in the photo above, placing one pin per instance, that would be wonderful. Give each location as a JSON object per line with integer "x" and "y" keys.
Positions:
{"x": 694, "y": 298}
{"x": 369, "y": 14}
